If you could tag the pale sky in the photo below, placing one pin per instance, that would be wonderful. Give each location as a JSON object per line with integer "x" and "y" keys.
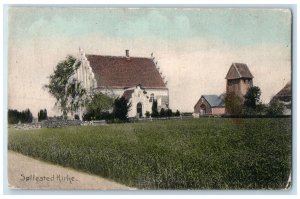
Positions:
{"x": 194, "y": 47}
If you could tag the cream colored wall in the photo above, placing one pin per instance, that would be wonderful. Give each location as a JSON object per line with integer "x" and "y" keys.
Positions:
{"x": 85, "y": 73}
{"x": 139, "y": 96}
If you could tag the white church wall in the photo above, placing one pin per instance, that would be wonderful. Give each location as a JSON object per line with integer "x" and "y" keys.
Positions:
{"x": 86, "y": 76}
{"x": 161, "y": 95}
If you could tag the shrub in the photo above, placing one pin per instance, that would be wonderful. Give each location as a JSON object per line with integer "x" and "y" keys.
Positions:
{"x": 233, "y": 104}
{"x": 15, "y": 116}
{"x": 162, "y": 112}
{"x": 169, "y": 113}
{"x": 121, "y": 108}
{"x": 154, "y": 109}
{"x": 147, "y": 114}
{"x": 42, "y": 115}
{"x": 275, "y": 108}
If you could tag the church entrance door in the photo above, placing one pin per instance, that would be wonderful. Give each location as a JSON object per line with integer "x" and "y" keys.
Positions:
{"x": 202, "y": 109}
{"x": 139, "y": 110}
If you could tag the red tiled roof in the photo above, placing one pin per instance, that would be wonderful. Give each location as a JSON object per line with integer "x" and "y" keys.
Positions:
{"x": 121, "y": 72}
{"x": 238, "y": 70}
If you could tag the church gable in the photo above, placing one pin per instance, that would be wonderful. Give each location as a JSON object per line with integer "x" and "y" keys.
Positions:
{"x": 209, "y": 105}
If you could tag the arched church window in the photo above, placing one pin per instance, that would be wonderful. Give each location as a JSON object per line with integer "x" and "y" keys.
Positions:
{"x": 151, "y": 97}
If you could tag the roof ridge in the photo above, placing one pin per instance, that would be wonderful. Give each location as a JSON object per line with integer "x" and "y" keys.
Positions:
{"x": 117, "y": 56}
{"x": 236, "y": 69}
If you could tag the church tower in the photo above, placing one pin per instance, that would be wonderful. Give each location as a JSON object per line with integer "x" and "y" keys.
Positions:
{"x": 239, "y": 79}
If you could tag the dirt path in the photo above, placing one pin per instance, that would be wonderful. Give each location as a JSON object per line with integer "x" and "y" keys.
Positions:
{"x": 27, "y": 173}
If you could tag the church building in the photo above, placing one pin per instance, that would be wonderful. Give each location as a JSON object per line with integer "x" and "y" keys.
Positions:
{"x": 138, "y": 79}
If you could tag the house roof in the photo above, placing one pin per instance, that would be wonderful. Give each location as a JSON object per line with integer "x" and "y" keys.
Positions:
{"x": 214, "y": 100}
{"x": 238, "y": 70}
{"x": 123, "y": 72}
{"x": 285, "y": 94}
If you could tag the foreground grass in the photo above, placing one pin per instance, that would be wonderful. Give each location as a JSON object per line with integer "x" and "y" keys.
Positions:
{"x": 206, "y": 153}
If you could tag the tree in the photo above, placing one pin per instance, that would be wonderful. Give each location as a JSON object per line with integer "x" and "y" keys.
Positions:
{"x": 233, "y": 104}
{"x": 169, "y": 113}
{"x": 15, "y": 116}
{"x": 99, "y": 105}
{"x": 252, "y": 103}
{"x": 154, "y": 109}
{"x": 162, "y": 112}
{"x": 65, "y": 88}
{"x": 42, "y": 115}
{"x": 121, "y": 108}
{"x": 177, "y": 113}
{"x": 26, "y": 116}
{"x": 252, "y": 97}
{"x": 275, "y": 108}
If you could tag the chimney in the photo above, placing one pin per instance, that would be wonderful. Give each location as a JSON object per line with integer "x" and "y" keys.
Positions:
{"x": 127, "y": 54}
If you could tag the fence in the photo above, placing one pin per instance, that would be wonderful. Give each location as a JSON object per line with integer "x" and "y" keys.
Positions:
{"x": 151, "y": 119}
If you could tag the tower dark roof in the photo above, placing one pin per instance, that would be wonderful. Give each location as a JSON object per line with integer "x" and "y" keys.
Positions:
{"x": 238, "y": 70}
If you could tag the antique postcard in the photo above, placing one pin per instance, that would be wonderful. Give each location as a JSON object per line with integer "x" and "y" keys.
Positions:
{"x": 149, "y": 98}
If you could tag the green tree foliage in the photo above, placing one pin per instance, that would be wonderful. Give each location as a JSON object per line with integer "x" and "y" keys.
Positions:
{"x": 148, "y": 114}
{"x": 67, "y": 91}
{"x": 99, "y": 107}
{"x": 154, "y": 109}
{"x": 252, "y": 97}
{"x": 169, "y": 113}
{"x": 42, "y": 115}
{"x": 177, "y": 113}
{"x": 275, "y": 108}
{"x": 252, "y": 103}
{"x": 15, "y": 116}
{"x": 233, "y": 104}
{"x": 121, "y": 108}
{"x": 162, "y": 113}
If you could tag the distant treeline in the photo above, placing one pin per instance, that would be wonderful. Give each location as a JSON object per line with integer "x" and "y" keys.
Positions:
{"x": 15, "y": 116}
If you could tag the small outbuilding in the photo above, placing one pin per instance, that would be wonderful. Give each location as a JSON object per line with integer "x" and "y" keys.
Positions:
{"x": 210, "y": 105}
{"x": 284, "y": 96}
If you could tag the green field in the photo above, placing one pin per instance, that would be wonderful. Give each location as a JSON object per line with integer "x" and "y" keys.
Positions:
{"x": 205, "y": 153}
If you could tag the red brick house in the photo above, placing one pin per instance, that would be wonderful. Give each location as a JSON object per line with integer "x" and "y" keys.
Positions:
{"x": 209, "y": 105}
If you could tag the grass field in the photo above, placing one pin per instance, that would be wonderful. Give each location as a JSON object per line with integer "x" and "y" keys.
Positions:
{"x": 206, "y": 153}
